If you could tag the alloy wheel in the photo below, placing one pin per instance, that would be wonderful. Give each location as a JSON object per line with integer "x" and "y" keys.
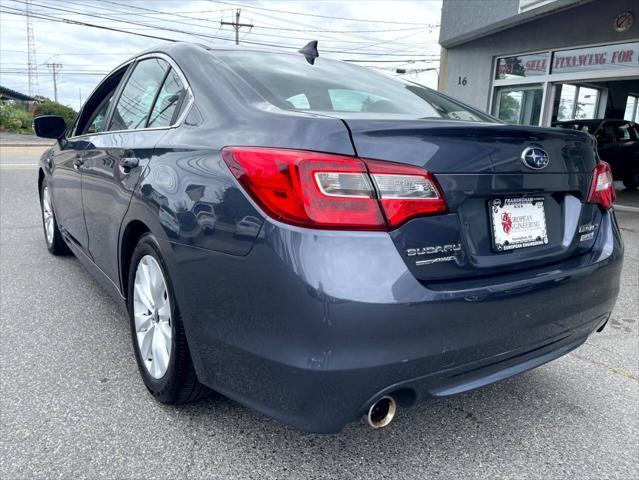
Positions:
{"x": 152, "y": 315}
{"x": 47, "y": 215}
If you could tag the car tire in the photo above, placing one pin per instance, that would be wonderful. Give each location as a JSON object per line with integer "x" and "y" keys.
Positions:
{"x": 52, "y": 235}
{"x": 171, "y": 379}
{"x": 631, "y": 181}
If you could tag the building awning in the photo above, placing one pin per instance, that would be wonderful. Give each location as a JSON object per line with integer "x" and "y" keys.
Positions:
{"x": 7, "y": 93}
{"x": 469, "y": 30}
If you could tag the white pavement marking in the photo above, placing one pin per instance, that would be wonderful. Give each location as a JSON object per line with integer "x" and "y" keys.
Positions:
{"x": 17, "y": 166}
{"x": 626, "y": 208}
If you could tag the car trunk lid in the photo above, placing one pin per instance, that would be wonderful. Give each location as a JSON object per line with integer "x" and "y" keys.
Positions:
{"x": 482, "y": 175}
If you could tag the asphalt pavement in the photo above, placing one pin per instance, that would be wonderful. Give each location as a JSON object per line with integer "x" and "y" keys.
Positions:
{"x": 72, "y": 404}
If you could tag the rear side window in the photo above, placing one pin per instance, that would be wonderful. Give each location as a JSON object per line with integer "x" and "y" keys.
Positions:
{"x": 92, "y": 117}
{"x": 168, "y": 100}
{"x": 290, "y": 82}
{"x": 96, "y": 123}
{"x": 135, "y": 102}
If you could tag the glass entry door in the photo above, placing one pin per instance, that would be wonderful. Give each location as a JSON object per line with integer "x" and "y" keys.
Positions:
{"x": 519, "y": 105}
{"x": 575, "y": 102}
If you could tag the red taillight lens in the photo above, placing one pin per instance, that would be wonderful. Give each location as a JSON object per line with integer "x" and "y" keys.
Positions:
{"x": 602, "y": 189}
{"x": 309, "y": 189}
{"x": 320, "y": 190}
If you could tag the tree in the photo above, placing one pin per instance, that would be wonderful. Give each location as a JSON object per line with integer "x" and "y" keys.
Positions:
{"x": 49, "y": 107}
{"x": 15, "y": 118}
{"x": 509, "y": 108}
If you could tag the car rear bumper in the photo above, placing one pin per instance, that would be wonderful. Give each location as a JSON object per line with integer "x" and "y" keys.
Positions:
{"x": 312, "y": 327}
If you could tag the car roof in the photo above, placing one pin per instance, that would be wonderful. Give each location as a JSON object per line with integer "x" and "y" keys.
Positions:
{"x": 171, "y": 47}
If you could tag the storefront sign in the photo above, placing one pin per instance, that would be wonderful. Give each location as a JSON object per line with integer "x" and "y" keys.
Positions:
{"x": 522, "y": 66}
{"x": 610, "y": 57}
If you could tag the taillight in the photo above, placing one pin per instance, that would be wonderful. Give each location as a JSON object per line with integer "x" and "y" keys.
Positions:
{"x": 602, "y": 189}
{"x": 321, "y": 190}
{"x": 405, "y": 192}
{"x": 307, "y": 188}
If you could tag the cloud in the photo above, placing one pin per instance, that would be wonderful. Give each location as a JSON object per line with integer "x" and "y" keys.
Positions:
{"x": 86, "y": 53}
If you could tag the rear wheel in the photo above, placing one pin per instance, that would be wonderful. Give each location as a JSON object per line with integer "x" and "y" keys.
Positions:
{"x": 52, "y": 236}
{"x": 160, "y": 345}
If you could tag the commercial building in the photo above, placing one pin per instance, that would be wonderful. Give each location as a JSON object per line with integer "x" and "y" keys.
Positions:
{"x": 540, "y": 61}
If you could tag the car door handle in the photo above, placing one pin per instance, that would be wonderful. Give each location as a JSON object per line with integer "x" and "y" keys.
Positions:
{"x": 78, "y": 162}
{"x": 127, "y": 163}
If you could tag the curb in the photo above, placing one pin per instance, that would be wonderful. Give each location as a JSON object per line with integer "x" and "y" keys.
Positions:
{"x": 25, "y": 144}
{"x": 626, "y": 208}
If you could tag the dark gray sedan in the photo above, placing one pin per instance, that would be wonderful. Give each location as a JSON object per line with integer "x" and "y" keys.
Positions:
{"x": 321, "y": 242}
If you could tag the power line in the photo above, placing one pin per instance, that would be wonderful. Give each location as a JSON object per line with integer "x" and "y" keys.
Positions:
{"x": 180, "y": 14}
{"x": 380, "y": 42}
{"x": 191, "y": 24}
{"x": 21, "y": 73}
{"x": 277, "y": 28}
{"x": 202, "y": 35}
{"x": 373, "y": 60}
{"x": 316, "y": 15}
{"x": 69, "y": 53}
{"x": 84, "y": 24}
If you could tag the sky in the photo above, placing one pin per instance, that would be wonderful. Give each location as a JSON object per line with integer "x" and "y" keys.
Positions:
{"x": 401, "y": 33}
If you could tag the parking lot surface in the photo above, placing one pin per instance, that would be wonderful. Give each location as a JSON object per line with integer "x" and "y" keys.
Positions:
{"x": 72, "y": 405}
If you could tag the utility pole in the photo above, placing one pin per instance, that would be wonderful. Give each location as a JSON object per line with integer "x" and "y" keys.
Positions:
{"x": 236, "y": 25}
{"x": 54, "y": 67}
{"x": 32, "y": 67}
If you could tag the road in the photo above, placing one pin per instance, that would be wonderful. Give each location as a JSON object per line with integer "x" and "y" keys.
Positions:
{"x": 72, "y": 405}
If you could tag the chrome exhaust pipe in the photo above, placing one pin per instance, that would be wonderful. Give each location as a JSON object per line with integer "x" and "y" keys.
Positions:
{"x": 381, "y": 412}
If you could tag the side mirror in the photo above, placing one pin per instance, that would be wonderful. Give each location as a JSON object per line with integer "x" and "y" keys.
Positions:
{"x": 49, "y": 126}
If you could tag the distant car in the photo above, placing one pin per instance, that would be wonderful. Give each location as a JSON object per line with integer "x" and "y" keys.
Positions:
{"x": 248, "y": 227}
{"x": 618, "y": 144}
{"x": 321, "y": 242}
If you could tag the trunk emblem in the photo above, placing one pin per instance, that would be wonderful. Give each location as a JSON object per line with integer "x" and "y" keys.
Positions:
{"x": 435, "y": 249}
{"x": 535, "y": 158}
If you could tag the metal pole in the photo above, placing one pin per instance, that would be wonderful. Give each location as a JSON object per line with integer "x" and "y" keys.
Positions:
{"x": 54, "y": 67}
{"x": 236, "y": 25}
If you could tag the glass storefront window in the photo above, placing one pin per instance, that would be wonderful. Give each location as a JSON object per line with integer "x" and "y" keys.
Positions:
{"x": 586, "y": 103}
{"x": 521, "y": 66}
{"x": 566, "y": 102}
{"x": 573, "y": 83}
{"x": 519, "y": 105}
{"x": 576, "y": 102}
{"x": 632, "y": 109}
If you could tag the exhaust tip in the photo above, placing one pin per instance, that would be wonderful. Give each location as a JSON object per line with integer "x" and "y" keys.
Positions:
{"x": 381, "y": 412}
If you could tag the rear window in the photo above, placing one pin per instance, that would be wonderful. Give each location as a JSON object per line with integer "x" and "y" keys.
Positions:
{"x": 290, "y": 82}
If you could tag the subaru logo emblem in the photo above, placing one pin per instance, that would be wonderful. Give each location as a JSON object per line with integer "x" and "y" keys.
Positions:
{"x": 535, "y": 158}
